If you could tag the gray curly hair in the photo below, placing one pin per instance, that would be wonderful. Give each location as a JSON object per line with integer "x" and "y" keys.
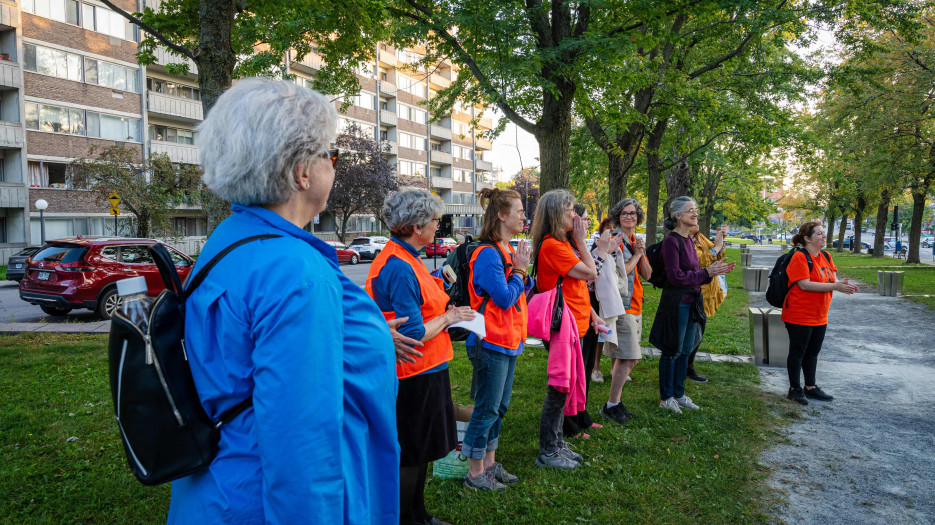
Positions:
{"x": 405, "y": 210}
{"x": 256, "y": 135}
{"x": 618, "y": 209}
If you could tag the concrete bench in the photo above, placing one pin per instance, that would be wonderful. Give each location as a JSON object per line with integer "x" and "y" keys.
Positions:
{"x": 890, "y": 283}
{"x": 769, "y": 340}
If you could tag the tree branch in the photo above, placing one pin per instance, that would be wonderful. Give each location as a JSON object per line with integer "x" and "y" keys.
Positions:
{"x": 444, "y": 34}
{"x": 692, "y": 152}
{"x": 149, "y": 29}
{"x": 637, "y": 25}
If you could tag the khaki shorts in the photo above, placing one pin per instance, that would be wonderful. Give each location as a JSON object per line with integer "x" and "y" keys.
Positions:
{"x": 629, "y": 332}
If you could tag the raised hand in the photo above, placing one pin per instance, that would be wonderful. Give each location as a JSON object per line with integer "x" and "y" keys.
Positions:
{"x": 523, "y": 253}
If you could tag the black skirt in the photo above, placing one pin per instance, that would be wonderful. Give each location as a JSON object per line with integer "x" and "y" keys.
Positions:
{"x": 425, "y": 418}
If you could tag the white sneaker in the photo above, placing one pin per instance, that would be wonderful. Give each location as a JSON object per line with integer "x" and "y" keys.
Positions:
{"x": 671, "y": 404}
{"x": 597, "y": 376}
{"x": 686, "y": 402}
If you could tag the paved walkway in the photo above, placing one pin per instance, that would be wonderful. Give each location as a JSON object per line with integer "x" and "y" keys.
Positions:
{"x": 869, "y": 455}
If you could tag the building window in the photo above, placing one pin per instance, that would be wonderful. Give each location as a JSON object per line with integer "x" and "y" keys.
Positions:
{"x": 43, "y": 117}
{"x": 365, "y": 69}
{"x": 93, "y": 17}
{"x": 61, "y": 10}
{"x": 167, "y": 134}
{"x": 411, "y": 168}
{"x": 412, "y": 141}
{"x": 407, "y": 56}
{"x": 180, "y": 90}
{"x": 190, "y": 227}
{"x": 52, "y": 62}
{"x": 362, "y": 100}
{"x": 436, "y": 172}
{"x": 111, "y": 75}
{"x": 410, "y": 113}
{"x": 409, "y": 85}
{"x": 462, "y": 176}
{"x": 48, "y": 175}
{"x": 112, "y": 127}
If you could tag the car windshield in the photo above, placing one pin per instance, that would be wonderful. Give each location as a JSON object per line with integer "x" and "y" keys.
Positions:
{"x": 60, "y": 254}
{"x": 360, "y": 241}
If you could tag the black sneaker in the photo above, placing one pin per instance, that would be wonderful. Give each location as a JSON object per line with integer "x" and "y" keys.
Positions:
{"x": 817, "y": 393}
{"x": 630, "y": 415}
{"x": 796, "y": 394}
{"x": 695, "y": 377}
{"x": 614, "y": 414}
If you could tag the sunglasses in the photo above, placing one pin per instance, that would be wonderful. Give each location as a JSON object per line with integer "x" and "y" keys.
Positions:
{"x": 333, "y": 154}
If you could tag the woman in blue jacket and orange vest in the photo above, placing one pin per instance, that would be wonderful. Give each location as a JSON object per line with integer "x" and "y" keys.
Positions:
{"x": 403, "y": 289}
{"x": 498, "y": 282}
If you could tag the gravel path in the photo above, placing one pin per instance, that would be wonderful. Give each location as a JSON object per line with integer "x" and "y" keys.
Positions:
{"x": 869, "y": 455}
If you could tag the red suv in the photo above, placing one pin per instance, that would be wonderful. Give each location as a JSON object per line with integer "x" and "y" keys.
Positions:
{"x": 442, "y": 246}
{"x": 81, "y": 272}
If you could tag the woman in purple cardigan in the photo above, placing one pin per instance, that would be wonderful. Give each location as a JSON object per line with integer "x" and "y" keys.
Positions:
{"x": 681, "y": 306}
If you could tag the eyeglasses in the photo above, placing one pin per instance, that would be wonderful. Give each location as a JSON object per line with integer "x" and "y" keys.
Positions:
{"x": 333, "y": 154}
{"x": 629, "y": 214}
{"x": 691, "y": 210}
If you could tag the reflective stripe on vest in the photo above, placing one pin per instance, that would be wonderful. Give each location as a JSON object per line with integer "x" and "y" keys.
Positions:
{"x": 506, "y": 328}
{"x": 437, "y": 350}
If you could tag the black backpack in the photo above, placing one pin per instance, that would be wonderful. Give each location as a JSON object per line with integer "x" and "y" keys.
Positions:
{"x": 166, "y": 432}
{"x": 654, "y": 256}
{"x": 778, "y": 287}
{"x": 458, "y": 293}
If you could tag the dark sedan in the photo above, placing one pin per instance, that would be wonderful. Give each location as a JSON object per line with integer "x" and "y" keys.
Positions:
{"x": 16, "y": 266}
{"x": 848, "y": 242}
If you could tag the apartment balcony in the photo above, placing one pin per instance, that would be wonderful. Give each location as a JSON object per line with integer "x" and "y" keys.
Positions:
{"x": 387, "y": 58}
{"x": 441, "y": 182}
{"x": 394, "y": 149}
{"x": 438, "y": 82}
{"x": 440, "y": 131}
{"x": 441, "y": 157}
{"x": 481, "y": 184}
{"x": 176, "y": 107}
{"x": 388, "y": 117}
{"x": 9, "y": 17}
{"x": 463, "y": 209}
{"x": 483, "y": 144}
{"x": 184, "y": 153}
{"x": 11, "y": 74}
{"x": 11, "y": 135}
{"x": 13, "y": 195}
{"x": 163, "y": 57}
{"x": 311, "y": 61}
{"x": 483, "y": 165}
{"x": 387, "y": 89}
{"x": 485, "y": 123}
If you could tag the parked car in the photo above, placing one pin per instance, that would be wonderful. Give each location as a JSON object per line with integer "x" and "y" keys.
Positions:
{"x": 344, "y": 254}
{"x": 848, "y": 241}
{"x": 16, "y": 266}
{"x": 442, "y": 246}
{"x": 82, "y": 272}
{"x": 368, "y": 247}
{"x": 733, "y": 233}
{"x": 748, "y": 235}
{"x": 927, "y": 242}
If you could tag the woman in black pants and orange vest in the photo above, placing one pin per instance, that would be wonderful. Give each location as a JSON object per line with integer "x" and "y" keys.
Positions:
{"x": 403, "y": 289}
{"x": 805, "y": 310}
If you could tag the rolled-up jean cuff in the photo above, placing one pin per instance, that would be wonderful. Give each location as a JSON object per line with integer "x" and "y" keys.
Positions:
{"x": 493, "y": 444}
{"x": 472, "y": 453}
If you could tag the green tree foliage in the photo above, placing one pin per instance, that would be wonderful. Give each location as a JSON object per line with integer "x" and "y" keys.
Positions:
{"x": 149, "y": 189}
{"x": 240, "y": 38}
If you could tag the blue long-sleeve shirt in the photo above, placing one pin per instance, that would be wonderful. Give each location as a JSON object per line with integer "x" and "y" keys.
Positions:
{"x": 277, "y": 320}
{"x": 489, "y": 277}
{"x": 396, "y": 289}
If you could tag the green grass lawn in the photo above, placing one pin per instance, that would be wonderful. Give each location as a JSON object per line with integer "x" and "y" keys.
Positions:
{"x": 661, "y": 468}
{"x": 918, "y": 280}
{"x": 727, "y": 332}
{"x": 3, "y": 273}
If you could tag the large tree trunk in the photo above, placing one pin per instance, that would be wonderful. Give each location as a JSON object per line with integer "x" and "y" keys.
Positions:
{"x": 879, "y": 233}
{"x": 915, "y": 228}
{"x": 678, "y": 182}
{"x": 830, "y": 220}
{"x": 215, "y": 55}
{"x": 617, "y": 170}
{"x": 858, "y": 222}
{"x": 841, "y": 233}
{"x": 554, "y": 135}
{"x": 654, "y": 169}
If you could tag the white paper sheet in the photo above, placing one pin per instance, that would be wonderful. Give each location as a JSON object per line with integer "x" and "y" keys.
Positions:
{"x": 476, "y": 325}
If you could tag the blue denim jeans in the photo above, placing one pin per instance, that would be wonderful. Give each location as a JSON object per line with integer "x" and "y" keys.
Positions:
{"x": 494, "y": 384}
{"x": 672, "y": 370}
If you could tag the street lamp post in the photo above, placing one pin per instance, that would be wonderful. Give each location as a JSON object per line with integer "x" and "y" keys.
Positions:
{"x": 373, "y": 222}
{"x": 41, "y": 205}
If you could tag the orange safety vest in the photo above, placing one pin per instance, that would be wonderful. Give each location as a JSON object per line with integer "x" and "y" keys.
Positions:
{"x": 437, "y": 350}
{"x": 506, "y": 328}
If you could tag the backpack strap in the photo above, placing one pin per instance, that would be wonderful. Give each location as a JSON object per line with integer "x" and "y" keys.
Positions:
{"x": 484, "y": 294}
{"x": 203, "y": 274}
{"x": 228, "y": 415}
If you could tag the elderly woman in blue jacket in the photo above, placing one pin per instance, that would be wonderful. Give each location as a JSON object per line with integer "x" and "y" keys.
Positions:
{"x": 278, "y": 322}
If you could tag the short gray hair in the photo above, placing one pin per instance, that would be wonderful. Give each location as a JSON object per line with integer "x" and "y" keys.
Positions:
{"x": 618, "y": 209}
{"x": 256, "y": 135}
{"x": 407, "y": 209}
{"x": 677, "y": 207}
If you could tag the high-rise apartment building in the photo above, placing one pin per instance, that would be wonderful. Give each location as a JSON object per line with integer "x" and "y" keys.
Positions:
{"x": 69, "y": 83}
